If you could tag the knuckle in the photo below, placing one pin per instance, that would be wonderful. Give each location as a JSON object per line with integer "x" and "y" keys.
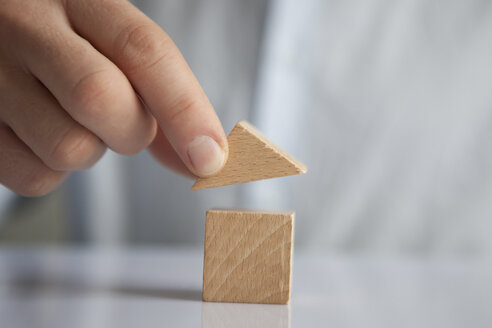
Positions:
{"x": 138, "y": 140}
{"x": 39, "y": 182}
{"x": 105, "y": 101}
{"x": 92, "y": 94}
{"x": 181, "y": 109}
{"x": 140, "y": 46}
{"x": 78, "y": 149}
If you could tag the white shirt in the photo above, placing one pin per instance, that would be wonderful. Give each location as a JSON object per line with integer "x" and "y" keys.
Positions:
{"x": 389, "y": 103}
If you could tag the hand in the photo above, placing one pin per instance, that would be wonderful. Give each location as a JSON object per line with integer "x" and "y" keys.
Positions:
{"x": 77, "y": 76}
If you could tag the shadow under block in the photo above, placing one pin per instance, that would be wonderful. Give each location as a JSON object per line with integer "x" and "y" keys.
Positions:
{"x": 251, "y": 157}
{"x": 248, "y": 256}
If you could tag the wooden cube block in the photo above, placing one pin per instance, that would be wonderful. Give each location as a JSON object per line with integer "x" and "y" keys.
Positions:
{"x": 248, "y": 256}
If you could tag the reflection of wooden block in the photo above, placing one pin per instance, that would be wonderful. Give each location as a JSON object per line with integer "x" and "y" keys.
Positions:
{"x": 227, "y": 315}
{"x": 251, "y": 157}
{"x": 248, "y": 256}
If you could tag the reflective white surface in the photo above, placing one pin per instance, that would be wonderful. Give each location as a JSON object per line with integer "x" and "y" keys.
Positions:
{"x": 162, "y": 288}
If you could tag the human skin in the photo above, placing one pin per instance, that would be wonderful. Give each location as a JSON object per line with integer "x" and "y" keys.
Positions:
{"x": 80, "y": 76}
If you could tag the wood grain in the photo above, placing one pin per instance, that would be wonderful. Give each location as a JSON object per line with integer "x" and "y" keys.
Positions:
{"x": 248, "y": 256}
{"x": 251, "y": 157}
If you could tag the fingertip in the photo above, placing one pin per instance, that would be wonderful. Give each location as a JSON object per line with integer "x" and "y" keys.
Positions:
{"x": 206, "y": 156}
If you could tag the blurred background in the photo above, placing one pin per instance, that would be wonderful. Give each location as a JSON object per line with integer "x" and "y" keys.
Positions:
{"x": 388, "y": 103}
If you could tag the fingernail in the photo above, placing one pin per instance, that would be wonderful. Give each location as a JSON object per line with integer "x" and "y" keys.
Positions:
{"x": 206, "y": 156}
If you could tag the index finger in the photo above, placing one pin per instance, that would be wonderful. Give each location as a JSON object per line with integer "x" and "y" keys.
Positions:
{"x": 159, "y": 74}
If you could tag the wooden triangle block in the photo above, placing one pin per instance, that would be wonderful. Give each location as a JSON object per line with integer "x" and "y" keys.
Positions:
{"x": 251, "y": 157}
